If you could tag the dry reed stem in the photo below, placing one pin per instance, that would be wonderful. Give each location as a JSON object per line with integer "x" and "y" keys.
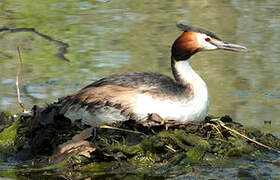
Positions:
{"x": 215, "y": 127}
{"x": 17, "y": 81}
{"x": 170, "y": 148}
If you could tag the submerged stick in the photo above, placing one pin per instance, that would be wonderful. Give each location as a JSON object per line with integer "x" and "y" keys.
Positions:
{"x": 17, "y": 81}
{"x": 62, "y": 46}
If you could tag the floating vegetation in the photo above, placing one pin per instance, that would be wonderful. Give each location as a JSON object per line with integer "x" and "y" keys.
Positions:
{"x": 49, "y": 142}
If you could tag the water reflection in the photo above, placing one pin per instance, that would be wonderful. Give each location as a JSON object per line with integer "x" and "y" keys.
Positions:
{"x": 107, "y": 37}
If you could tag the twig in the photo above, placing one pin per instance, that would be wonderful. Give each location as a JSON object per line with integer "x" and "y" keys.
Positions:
{"x": 17, "y": 81}
{"x": 252, "y": 140}
{"x": 170, "y": 148}
{"x": 215, "y": 127}
{"x": 119, "y": 129}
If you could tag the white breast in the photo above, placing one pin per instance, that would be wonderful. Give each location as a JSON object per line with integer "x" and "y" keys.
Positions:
{"x": 182, "y": 110}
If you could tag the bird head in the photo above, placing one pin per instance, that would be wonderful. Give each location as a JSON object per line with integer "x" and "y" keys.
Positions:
{"x": 194, "y": 40}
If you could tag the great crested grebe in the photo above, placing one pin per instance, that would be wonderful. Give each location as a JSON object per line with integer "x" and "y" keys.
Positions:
{"x": 135, "y": 95}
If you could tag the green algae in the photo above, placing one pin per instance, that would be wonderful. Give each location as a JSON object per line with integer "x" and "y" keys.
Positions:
{"x": 68, "y": 161}
{"x": 143, "y": 161}
{"x": 239, "y": 147}
{"x": 195, "y": 154}
{"x": 8, "y": 173}
{"x": 97, "y": 167}
{"x": 153, "y": 144}
{"x": 8, "y": 137}
{"x": 252, "y": 132}
{"x": 172, "y": 139}
{"x": 192, "y": 140}
{"x": 129, "y": 150}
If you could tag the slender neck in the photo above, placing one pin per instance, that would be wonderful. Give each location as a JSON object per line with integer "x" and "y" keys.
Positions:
{"x": 183, "y": 72}
{"x": 182, "y": 49}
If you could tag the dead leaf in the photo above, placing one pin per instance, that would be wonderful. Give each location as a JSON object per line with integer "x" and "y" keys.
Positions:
{"x": 86, "y": 151}
{"x": 76, "y": 141}
{"x": 155, "y": 117}
{"x": 70, "y": 146}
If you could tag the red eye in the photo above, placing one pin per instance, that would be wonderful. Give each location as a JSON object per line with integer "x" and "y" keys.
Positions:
{"x": 207, "y": 39}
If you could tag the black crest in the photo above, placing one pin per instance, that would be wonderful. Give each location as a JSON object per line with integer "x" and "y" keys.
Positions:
{"x": 187, "y": 28}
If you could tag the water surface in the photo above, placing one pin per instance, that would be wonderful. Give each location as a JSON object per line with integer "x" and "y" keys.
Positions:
{"x": 107, "y": 37}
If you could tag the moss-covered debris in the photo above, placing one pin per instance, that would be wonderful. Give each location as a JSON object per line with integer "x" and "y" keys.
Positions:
{"x": 8, "y": 137}
{"x": 6, "y": 119}
{"x": 129, "y": 146}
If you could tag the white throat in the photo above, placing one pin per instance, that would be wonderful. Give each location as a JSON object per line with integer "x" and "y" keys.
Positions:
{"x": 188, "y": 75}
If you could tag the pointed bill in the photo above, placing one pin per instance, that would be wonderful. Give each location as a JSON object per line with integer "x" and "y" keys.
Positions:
{"x": 229, "y": 46}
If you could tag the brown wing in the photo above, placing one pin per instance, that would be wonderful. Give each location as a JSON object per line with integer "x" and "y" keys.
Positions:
{"x": 105, "y": 96}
